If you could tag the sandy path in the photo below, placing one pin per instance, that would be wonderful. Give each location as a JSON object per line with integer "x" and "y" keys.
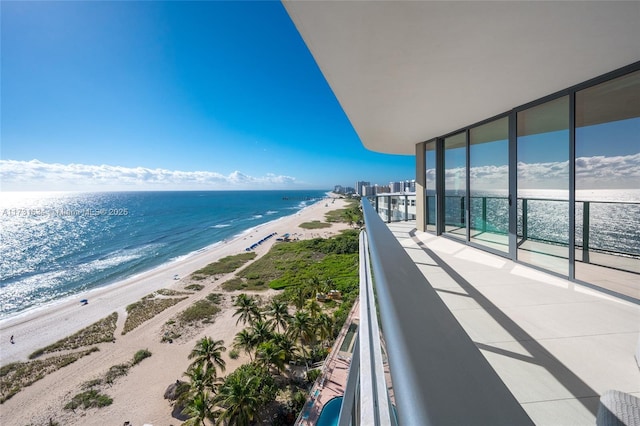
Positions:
{"x": 138, "y": 397}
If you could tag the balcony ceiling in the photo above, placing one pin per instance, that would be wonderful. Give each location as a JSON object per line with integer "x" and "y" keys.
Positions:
{"x": 406, "y": 72}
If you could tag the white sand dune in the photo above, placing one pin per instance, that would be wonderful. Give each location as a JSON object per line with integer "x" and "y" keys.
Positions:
{"x": 138, "y": 397}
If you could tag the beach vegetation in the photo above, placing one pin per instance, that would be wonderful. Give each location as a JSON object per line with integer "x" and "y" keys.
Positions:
{"x": 315, "y": 224}
{"x": 235, "y": 283}
{"x": 89, "y": 399}
{"x": 203, "y": 310}
{"x": 216, "y": 298}
{"x": 168, "y": 292}
{"x": 295, "y": 263}
{"x": 92, "y": 383}
{"x": 17, "y": 375}
{"x": 234, "y": 354}
{"x": 246, "y": 341}
{"x": 198, "y": 408}
{"x": 351, "y": 214}
{"x": 247, "y": 309}
{"x": 207, "y": 354}
{"x": 277, "y": 337}
{"x": 98, "y": 332}
{"x": 116, "y": 371}
{"x": 312, "y": 375}
{"x": 194, "y": 287}
{"x": 244, "y": 394}
{"x": 225, "y": 265}
{"x": 278, "y": 313}
{"x": 147, "y": 308}
{"x": 140, "y": 355}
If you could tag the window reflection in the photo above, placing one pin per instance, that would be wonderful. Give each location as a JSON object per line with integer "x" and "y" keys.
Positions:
{"x": 430, "y": 185}
{"x": 455, "y": 185}
{"x": 543, "y": 185}
{"x": 489, "y": 184}
{"x": 607, "y": 216}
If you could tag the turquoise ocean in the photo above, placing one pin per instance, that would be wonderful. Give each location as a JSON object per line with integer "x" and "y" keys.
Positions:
{"x": 55, "y": 245}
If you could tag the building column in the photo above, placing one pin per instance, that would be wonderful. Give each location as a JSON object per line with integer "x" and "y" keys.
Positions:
{"x": 421, "y": 184}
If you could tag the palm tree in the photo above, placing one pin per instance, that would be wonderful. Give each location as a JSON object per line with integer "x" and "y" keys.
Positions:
{"x": 246, "y": 341}
{"x": 315, "y": 285}
{"x": 300, "y": 294}
{"x": 199, "y": 409}
{"x": 301, "y": 328}
{"x": 329, "y": 284}
{"x": 324, "y": 326}
{"x": 313, "y": 307}
{"x": 247, "y": 309}
{"x": 262, "y": 332}
{"x": 279, "y": 313}
{"x": 287, "y": 344}
{"x": 239, "y": 400}
{"x": 200, "y": 380}
{"x": 208, "y": 354}
{"x": 271, "y": 354}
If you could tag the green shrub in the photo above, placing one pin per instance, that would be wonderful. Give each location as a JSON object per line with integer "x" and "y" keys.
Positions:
{"x": 140, "y": 355}
{"x": 145, "y": 309}
{"x": 199, "y": 311}
{"x": 194, "y": 287}
{"x": 312, "y": 375}
{"x": 316, "y": 224}
{"x": 234, "y": 354}
{"x": 88, "y": 399}
{"x": 224, "y": 266}
{"x": 116, "y": 371}
{"x": 215, "y": 298}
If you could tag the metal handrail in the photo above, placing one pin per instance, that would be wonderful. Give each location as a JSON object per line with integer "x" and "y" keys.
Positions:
{"x": 439, "y": 375}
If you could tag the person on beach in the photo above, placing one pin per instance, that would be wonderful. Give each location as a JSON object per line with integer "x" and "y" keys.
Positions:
{"x": 11, "y": 340}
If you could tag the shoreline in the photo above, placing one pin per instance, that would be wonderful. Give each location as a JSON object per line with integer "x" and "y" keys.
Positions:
{"x": 51, "y": 304}
{"x": 55, "y": 320}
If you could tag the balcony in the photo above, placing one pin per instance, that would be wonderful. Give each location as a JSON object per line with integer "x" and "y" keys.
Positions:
{"x": 450, "y": 334}
{"x": 607, "y": 254}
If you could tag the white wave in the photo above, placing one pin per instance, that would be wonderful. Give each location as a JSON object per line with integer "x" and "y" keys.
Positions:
{"x": 271, "y": 212}
{"x": 221, "y": 225}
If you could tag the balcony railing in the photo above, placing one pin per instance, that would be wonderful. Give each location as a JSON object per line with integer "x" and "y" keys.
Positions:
{"x": 415, "y": 364}
{"x": 609, "y": 228}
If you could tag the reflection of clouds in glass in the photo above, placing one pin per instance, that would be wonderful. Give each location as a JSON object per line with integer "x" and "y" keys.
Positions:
{"x": 601, "y": 172}
{"x": 28, "y": 175}
{"x": 597, "y": 172}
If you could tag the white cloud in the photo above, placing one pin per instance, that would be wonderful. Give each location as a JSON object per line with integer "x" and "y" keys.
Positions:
{"x": 618, "y": 172}
{"x": 36, "y": 175}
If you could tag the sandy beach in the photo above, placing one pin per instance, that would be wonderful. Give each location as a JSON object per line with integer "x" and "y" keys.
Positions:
{"x": 137, "y": 397}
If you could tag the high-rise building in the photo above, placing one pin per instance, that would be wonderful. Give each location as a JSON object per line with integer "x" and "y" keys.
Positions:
{"x": 360, "y": 185}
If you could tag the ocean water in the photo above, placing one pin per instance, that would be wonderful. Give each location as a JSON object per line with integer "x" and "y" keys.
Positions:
{"x": 613, "y": 220}
{"x": 54, "y": 245}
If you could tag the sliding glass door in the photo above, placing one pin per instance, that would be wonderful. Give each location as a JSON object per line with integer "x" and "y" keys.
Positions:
{"x": 489, "y": 184}
{"x": 543, "y": 185}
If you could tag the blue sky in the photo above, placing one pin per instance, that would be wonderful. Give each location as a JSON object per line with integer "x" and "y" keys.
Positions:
{"x": 210, "y": 95}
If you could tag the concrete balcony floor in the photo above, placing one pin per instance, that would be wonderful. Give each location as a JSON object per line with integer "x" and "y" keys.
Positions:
{"x": 557, "y": 345}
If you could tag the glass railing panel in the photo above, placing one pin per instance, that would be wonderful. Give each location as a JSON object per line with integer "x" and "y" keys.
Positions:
{"x": 430, "y": 209}
{"x": 490, "y": 222}
{"x": 609, "y": 228}
{"x": 454, "y": 216}
{"x": 543, "y": 233}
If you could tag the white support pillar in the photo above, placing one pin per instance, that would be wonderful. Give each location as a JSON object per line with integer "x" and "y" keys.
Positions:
{"x": 421, "y": 175}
